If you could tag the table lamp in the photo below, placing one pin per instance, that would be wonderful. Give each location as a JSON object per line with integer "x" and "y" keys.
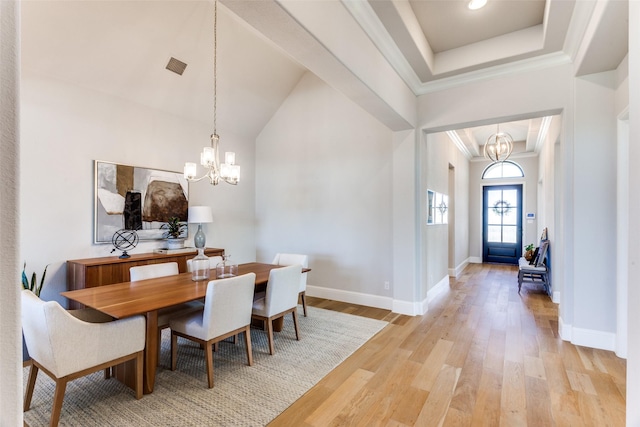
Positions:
{"x": 200, "y": 215}
{"x": 200, "y": 264}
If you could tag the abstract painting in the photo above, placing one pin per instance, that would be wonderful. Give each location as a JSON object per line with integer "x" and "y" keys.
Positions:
{"x": 136, "y": 198}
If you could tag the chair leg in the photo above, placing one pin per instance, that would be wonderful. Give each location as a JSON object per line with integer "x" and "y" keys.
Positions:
{"x": 107, "y": 373}
{"x": 159, "y": 345}
{"x": 33, "y": 374}
{"x": 247, "y": 340}
{"x": 269, "y": 323}
{"x": 520, "y": 274}
{"x": 174, "y": 351}
{"x": 139, "y": 370}
{"x": 304, "y": 302}
{"x": 58, "y": 397}
{"x": 294, "y": 313}
{"x": 208, "y": 356}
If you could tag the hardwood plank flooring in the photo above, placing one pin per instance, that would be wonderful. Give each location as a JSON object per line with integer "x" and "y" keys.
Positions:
{"x": 483, "y": 355}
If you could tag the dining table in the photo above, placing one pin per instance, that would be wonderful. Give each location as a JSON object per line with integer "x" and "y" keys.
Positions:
{"x": 147, "y": 297}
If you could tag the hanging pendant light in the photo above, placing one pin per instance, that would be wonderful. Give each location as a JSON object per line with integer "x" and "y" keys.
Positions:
{"x": 498, "y": 147}
{"x": 228, "y": 171}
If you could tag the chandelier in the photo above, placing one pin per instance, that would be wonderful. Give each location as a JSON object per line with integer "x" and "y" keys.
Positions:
{"x": 498, "y": 147}
{"x": 228, "y": 171}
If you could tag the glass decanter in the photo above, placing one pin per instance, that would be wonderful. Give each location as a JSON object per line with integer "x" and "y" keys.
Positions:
{"x": 226, "y": 268}
{"x": 200, "y": 266}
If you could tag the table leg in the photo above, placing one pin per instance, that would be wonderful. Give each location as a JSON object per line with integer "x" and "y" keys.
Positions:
{"x": 150, "y": 352}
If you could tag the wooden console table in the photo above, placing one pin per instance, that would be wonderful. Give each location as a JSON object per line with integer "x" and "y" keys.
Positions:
{"x": 90, "y": 272}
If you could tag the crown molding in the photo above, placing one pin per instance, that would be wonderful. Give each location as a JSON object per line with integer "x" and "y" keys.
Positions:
{"x": 530, "y": 64}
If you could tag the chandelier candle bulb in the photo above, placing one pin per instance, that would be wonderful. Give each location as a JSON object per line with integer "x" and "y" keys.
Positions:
{"x": 189, "y": 170}
{"x": 230, "y": 158}
{"x": 207, "y": 158}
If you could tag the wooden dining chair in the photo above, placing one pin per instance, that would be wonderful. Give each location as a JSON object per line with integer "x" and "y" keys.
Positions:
{"x": 152, "y": 271}
{"x": 227, "y": 312}
{"x": 293, "y": 259}
{"x": 281, "y": 298}
{"x": 66, "y": 348}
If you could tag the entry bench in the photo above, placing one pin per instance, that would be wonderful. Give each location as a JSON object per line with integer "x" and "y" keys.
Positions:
{"x": 537, "y": 269}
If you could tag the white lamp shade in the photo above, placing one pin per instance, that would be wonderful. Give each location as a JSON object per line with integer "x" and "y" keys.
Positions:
{"x": 200, "y": 214}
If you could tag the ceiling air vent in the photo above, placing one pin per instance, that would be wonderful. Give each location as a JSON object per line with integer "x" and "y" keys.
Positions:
{"x": 176, "y": 66}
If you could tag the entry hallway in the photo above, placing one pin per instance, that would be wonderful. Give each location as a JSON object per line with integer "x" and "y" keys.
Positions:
{"x": 482, "y": 355}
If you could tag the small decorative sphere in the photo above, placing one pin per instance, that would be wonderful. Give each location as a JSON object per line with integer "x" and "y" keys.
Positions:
{"x": 123, "y": 240}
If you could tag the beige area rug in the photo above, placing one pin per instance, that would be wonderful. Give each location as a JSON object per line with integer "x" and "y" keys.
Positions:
{"x": 242, "y": 395}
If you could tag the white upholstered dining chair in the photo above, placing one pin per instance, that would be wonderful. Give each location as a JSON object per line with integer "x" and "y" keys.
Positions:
{"x": 281, "y": 298}
{"x": 152, "y": 271}
{"x": 66, "y": 348}
{"x": 293, "y": 259}
{"x": 227, "y": 312}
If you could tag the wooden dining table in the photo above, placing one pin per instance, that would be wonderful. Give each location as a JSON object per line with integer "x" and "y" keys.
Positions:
{"x": 146, "y": 297}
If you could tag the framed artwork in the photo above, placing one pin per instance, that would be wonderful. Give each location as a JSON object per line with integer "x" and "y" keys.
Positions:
{"x": 136, "y": 198}
{"x": 431, "y": 195}
{"x": 437, "y": 208}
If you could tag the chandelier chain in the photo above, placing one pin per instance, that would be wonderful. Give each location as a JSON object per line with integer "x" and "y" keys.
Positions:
{"x": 215, "y": 65}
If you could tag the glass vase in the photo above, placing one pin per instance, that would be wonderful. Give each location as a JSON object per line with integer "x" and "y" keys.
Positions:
{"x": 226, "y": 268}
{"x": 200, "y": 266}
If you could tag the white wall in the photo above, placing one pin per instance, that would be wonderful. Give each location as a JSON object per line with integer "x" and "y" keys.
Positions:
{"x": 10, "y": 362}
{"x": 546, "y": 200}
{"x": 633, "y": 356}
{"x": 434, "y": 176}
{"x": 65, "y": 127}
{"x": 461, "y": 210}
{"x": 594, "y": 186}
{"x": 323, "y": 188}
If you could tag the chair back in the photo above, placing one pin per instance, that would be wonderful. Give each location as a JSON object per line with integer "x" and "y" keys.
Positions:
{"x": 228, "y": 304}
{"x": 35, "y": 328}
{"x": 282, "y": 289}
{"x": 293, "y": 259}
{"x": 151, "y": 271}
{"x": 64, "y": 344}
{"x": 213, "y": 261}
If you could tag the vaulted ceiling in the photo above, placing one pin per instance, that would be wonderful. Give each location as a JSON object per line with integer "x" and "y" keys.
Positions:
{"x": 122, "y": 48}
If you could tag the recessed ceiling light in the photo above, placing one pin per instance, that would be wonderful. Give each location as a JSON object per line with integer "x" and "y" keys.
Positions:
{"x": 476, "y": 4}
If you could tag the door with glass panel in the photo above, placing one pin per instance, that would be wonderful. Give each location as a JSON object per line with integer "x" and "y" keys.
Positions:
{"x": 502, "y": 224}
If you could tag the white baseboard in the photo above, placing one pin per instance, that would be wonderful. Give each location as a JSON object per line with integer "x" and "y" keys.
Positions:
{"x": 408, "y": 308}
{"x": 475, "y": 260}
{"x": 440, "y": 287}
{"x": 564, "y": 330}
{"x": 350, "y": 297}
{"x": 555, "y": 297}
{"x": 587, "y": 337}
{"x": 455, "y": 272}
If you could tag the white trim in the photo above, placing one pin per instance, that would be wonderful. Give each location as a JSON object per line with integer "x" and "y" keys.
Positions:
{"x": 455, "y": 272}
{"x": 453, "y": 136}
{"x": 564, "y": 330}
{"x": 409, "y": 308}
{"x": 587, "y": 337}
{"x": 594, "y": 339}
{"x": 368, "y": 300}
{"x": 556, "y": 297}
{"x": 475, "y": 260}
{"x": 440, "y": 287}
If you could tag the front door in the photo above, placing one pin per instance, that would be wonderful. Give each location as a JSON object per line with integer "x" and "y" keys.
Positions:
{"x": 502, "y": 224}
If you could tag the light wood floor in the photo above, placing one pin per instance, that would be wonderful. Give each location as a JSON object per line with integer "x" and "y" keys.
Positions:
{"x": 482, "y": 356}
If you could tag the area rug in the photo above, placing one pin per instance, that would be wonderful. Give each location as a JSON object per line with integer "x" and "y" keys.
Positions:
{"x": 242, "y": 395}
